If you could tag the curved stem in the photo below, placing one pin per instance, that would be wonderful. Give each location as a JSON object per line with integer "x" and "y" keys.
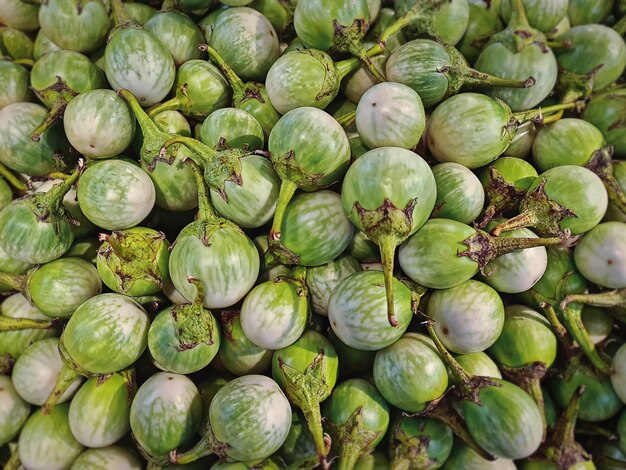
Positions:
{"x": 55, "y": 113}
{"x": 13, "y": 324}
{"x": 573, "y": 323}
{"x": 14, "y": 462}
{"x": 556, "y": 325}
{"x": 236, "y": 83}
{"x": 457, "y": 371}
{"x": 14, "y": 281}
{"x": 11, "y": 178}
{"x": 614, "y": 298}
{"x": 203, "y": 152}
{"x": 358, "y": 50}
{"x": 552, "y": 118}
{"x": 525, "y": 219}
{"x": 287, "y": 190}
{"x": 476, "y": 78}
{"x": 347, "y": 119}
{"x": 559, "y": 43}
{"x": 66, "y": 377}
{"x": 169, "y": 105}
{"x": 620, "y": 26}
{"x": 148, "y": 126}
{"x": 387, "y": 244}
{"x": 538, "y": 113}
{"x": 346, "y": 66}
{"x": 199, "y": 300}
{"x": 58, "y": 192}
{"x": 205, "y": 208}
{"x": 202, "y": 449}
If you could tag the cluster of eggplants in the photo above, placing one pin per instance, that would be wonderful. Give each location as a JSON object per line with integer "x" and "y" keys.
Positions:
{"x": 312, "y": 234}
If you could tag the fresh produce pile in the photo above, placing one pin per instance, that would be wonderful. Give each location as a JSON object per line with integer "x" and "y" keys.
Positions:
{"x": 269, "y": 234}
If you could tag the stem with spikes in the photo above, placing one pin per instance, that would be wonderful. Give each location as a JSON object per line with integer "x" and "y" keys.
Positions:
{"x": 537, "y": 114}
{"x": 613, "y": 298}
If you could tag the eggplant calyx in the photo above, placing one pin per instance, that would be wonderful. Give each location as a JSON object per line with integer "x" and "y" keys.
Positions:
{"x": 409, "y": 451}
{"x": 352, "y": 440}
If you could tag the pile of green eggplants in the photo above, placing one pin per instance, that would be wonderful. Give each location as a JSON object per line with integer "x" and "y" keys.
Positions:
{"x": 313, "y": 234}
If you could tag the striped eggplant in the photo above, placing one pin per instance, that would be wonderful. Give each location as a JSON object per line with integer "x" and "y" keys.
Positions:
{"x": 501, "y": 417}
{"x": 173, "y": 181}
{"x": 249, "y": 419}
{"x": 617, "y": 379}
{"x": 566, "y": 197}
{"x": 6, "y": 193}
{"x": 505, "y": 182}
{"x": 250, "y": 96}
{"x": 390, "y": 114}
{"x": 581, "y": 12}
{"x": 247, "y": 42}
{"x": 247, "y": 199}
{"x": 460, "y": 195}
{"x": 468, "y": 318}
{"x": 357, "y": 417}
{"x": 306, "y": 77}
{"x": 184, "y": 338}
{"x": 519, "y": 270}
{"x": 70, "y": 202}
{"x": 605, "y": 111}
{"x": 409, "y": 374}
{"x": 134, "y": 59}
{"x": 522, "y": 142}
{"x": 322, "y": 280}
{"x": 46, "y": 440}
{"x": 36, "y": 228}
{"x": 134, "y": 261}
{"x": 178, "y": 33}
{"x": 358, "y": 81}
{"x": 436, "y": 71}
{"x": 279, "y": 13}
{"x": 116, "y": 194}
{"x": 237, "y": 353}
{"x": 597, "y": 322}
{"x": 113, "y": 316}
{"x": 18, "y": 151}
{"x": 11, "y": 265}
{"x": 311, "y": 242}
{"x": 597, "y": 51}
{"x": 80, "y": 29}
{"x": 216, "y": 252}
{"x": 299, "y": 447}
{"x": 355, "y": 309}
{"x": 307, "y": 371}
{"x": 388, "y": 213}
{"x": 99, "y": 412}
{"x": 108, "y": 458}
{"x": 444, "y": 20}
{"x": 165, "y": 413}
{"x": 231, "y": 128}
{"x": 600, "y": 255}
{"x": 93, "y": 117}
{"x": 37, "y": 370}
{"x": 19, "y": 15}
{"x": 423, "y": 442}
{"x": 363, "y": 249}
{"x": 200, "y": 89}
{"x": 172, "y": 122}
{"x": 140, "y": 12}
{"x": 511, "y": 58}
{"x": 58, "y": 288}
{"x": 275, "y": 313}
{"x": 600, "y": 400}
{"x": 15, "y": 78}
{"x": 526, "y": 338}
{"x": 58, "y": 77}
{"x": 577, "y": 142}
{"x": 16, "y": 44}
{"x": 354, "y": 362}
{"x": 303, "y": 161}
{"x": 14, "y": 411}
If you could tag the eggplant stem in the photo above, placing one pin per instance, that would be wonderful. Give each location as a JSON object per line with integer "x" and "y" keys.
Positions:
{"x": 557, "y": 326}
{"x": 614, "y": 298}
{"x": 66, "y": 377}
{"x": 456, "y": 369}
{"x": 205, "y": 208}
{"x": 620, "y": 26}
{"x": 476, "y": 78}
{"x": 538, "y": 113}
{"x": 148, "y": 126}
{"x": 525, "y": 219}
{"x": 168, "y": 105}
{"x": 55, "y": 113}
{"x": 14, "y": 324}
{"x": 287, "y": 190}
{"x": 387, "y": 244}
{"x": 236, "y": 83}
{"x": 12, "y": 179}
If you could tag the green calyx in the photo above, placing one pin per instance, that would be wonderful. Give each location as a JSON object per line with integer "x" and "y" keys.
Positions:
{"x": 409, "y": 452}
{"x": 121, "y": 18}
{"x": 219, "y": 167}
{"x": 352, "y": 440}
{"x": 539, "y": 211}
{"x": 519, "y": 34}
{"x": 194, "y": 323}
{"x": 482, "y": 248}
{"x": 602, "y": 165}
{"x": 56, "y": 97}
{"x": 306, "y": 391}
{"x": 573, "y": 86}
{"x": 421, "y": 17}
{"x": 387, "y": 226}
{"x": 503, "y": 197}
{"x": 133, "y": 256}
